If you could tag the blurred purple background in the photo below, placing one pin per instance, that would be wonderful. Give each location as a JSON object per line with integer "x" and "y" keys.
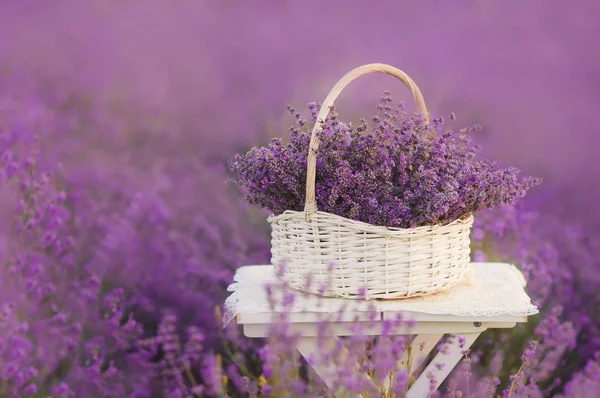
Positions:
{"x": 153, "y": 97}
{"x": 138, "y": 104}
{"x": 219, "y": 74}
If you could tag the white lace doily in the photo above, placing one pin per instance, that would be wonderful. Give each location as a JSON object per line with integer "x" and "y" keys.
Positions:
{"x": 493, "y": 289}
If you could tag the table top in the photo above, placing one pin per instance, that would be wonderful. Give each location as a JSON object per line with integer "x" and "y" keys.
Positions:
{"x": 493, "y": 292}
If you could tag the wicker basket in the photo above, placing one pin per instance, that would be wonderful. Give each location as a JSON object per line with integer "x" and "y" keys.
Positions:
{"x": 355, "y": 259}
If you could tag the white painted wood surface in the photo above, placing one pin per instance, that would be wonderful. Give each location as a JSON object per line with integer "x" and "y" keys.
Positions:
{"x": 440, "y": 367}
{"x": 427, "y": 335}
{"x": 427, "y": 329}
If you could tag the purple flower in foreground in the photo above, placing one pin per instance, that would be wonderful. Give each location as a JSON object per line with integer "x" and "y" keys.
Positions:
{"x": 212, "y": 374}
{"x": 585, "y": 383}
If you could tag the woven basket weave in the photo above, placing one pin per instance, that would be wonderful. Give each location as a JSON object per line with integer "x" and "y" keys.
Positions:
{"x": 352, "y": 259}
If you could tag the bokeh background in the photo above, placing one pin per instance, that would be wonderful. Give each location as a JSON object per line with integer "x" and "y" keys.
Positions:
{"x": 219, "y": 74}
{"x": 137, "y": 105}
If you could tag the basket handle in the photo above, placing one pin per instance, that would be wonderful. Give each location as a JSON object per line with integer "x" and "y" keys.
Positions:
{"x": 310, "y": 205}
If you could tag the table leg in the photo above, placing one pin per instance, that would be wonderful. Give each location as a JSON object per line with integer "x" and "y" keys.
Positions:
{"x": 419, "y": 349}
{"x": 440, "y": 367}
{"x": 415, "y": 354}
{"x": 327, "y": 370}
{"x": 308, "y": 347}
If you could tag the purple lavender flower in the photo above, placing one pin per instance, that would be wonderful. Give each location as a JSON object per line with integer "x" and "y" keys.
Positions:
{"x": 400, "y": 173}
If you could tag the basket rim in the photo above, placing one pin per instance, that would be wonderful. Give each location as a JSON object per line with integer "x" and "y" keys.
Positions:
{"x": 300, "y": 215}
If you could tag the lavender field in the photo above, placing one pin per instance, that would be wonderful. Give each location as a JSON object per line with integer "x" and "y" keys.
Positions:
{"x": 119, "y": 232}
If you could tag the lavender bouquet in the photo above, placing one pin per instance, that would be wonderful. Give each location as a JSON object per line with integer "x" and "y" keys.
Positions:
{"x": 401, "y": 172}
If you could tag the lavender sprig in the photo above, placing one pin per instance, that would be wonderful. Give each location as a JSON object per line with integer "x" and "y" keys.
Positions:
{"x": 401, "y": 172}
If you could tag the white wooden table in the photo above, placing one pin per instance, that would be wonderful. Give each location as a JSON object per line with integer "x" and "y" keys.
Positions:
{"x": 494, "y": 298}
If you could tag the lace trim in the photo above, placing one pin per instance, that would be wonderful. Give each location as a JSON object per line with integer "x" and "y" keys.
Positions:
{"x": 493, "y": 289}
